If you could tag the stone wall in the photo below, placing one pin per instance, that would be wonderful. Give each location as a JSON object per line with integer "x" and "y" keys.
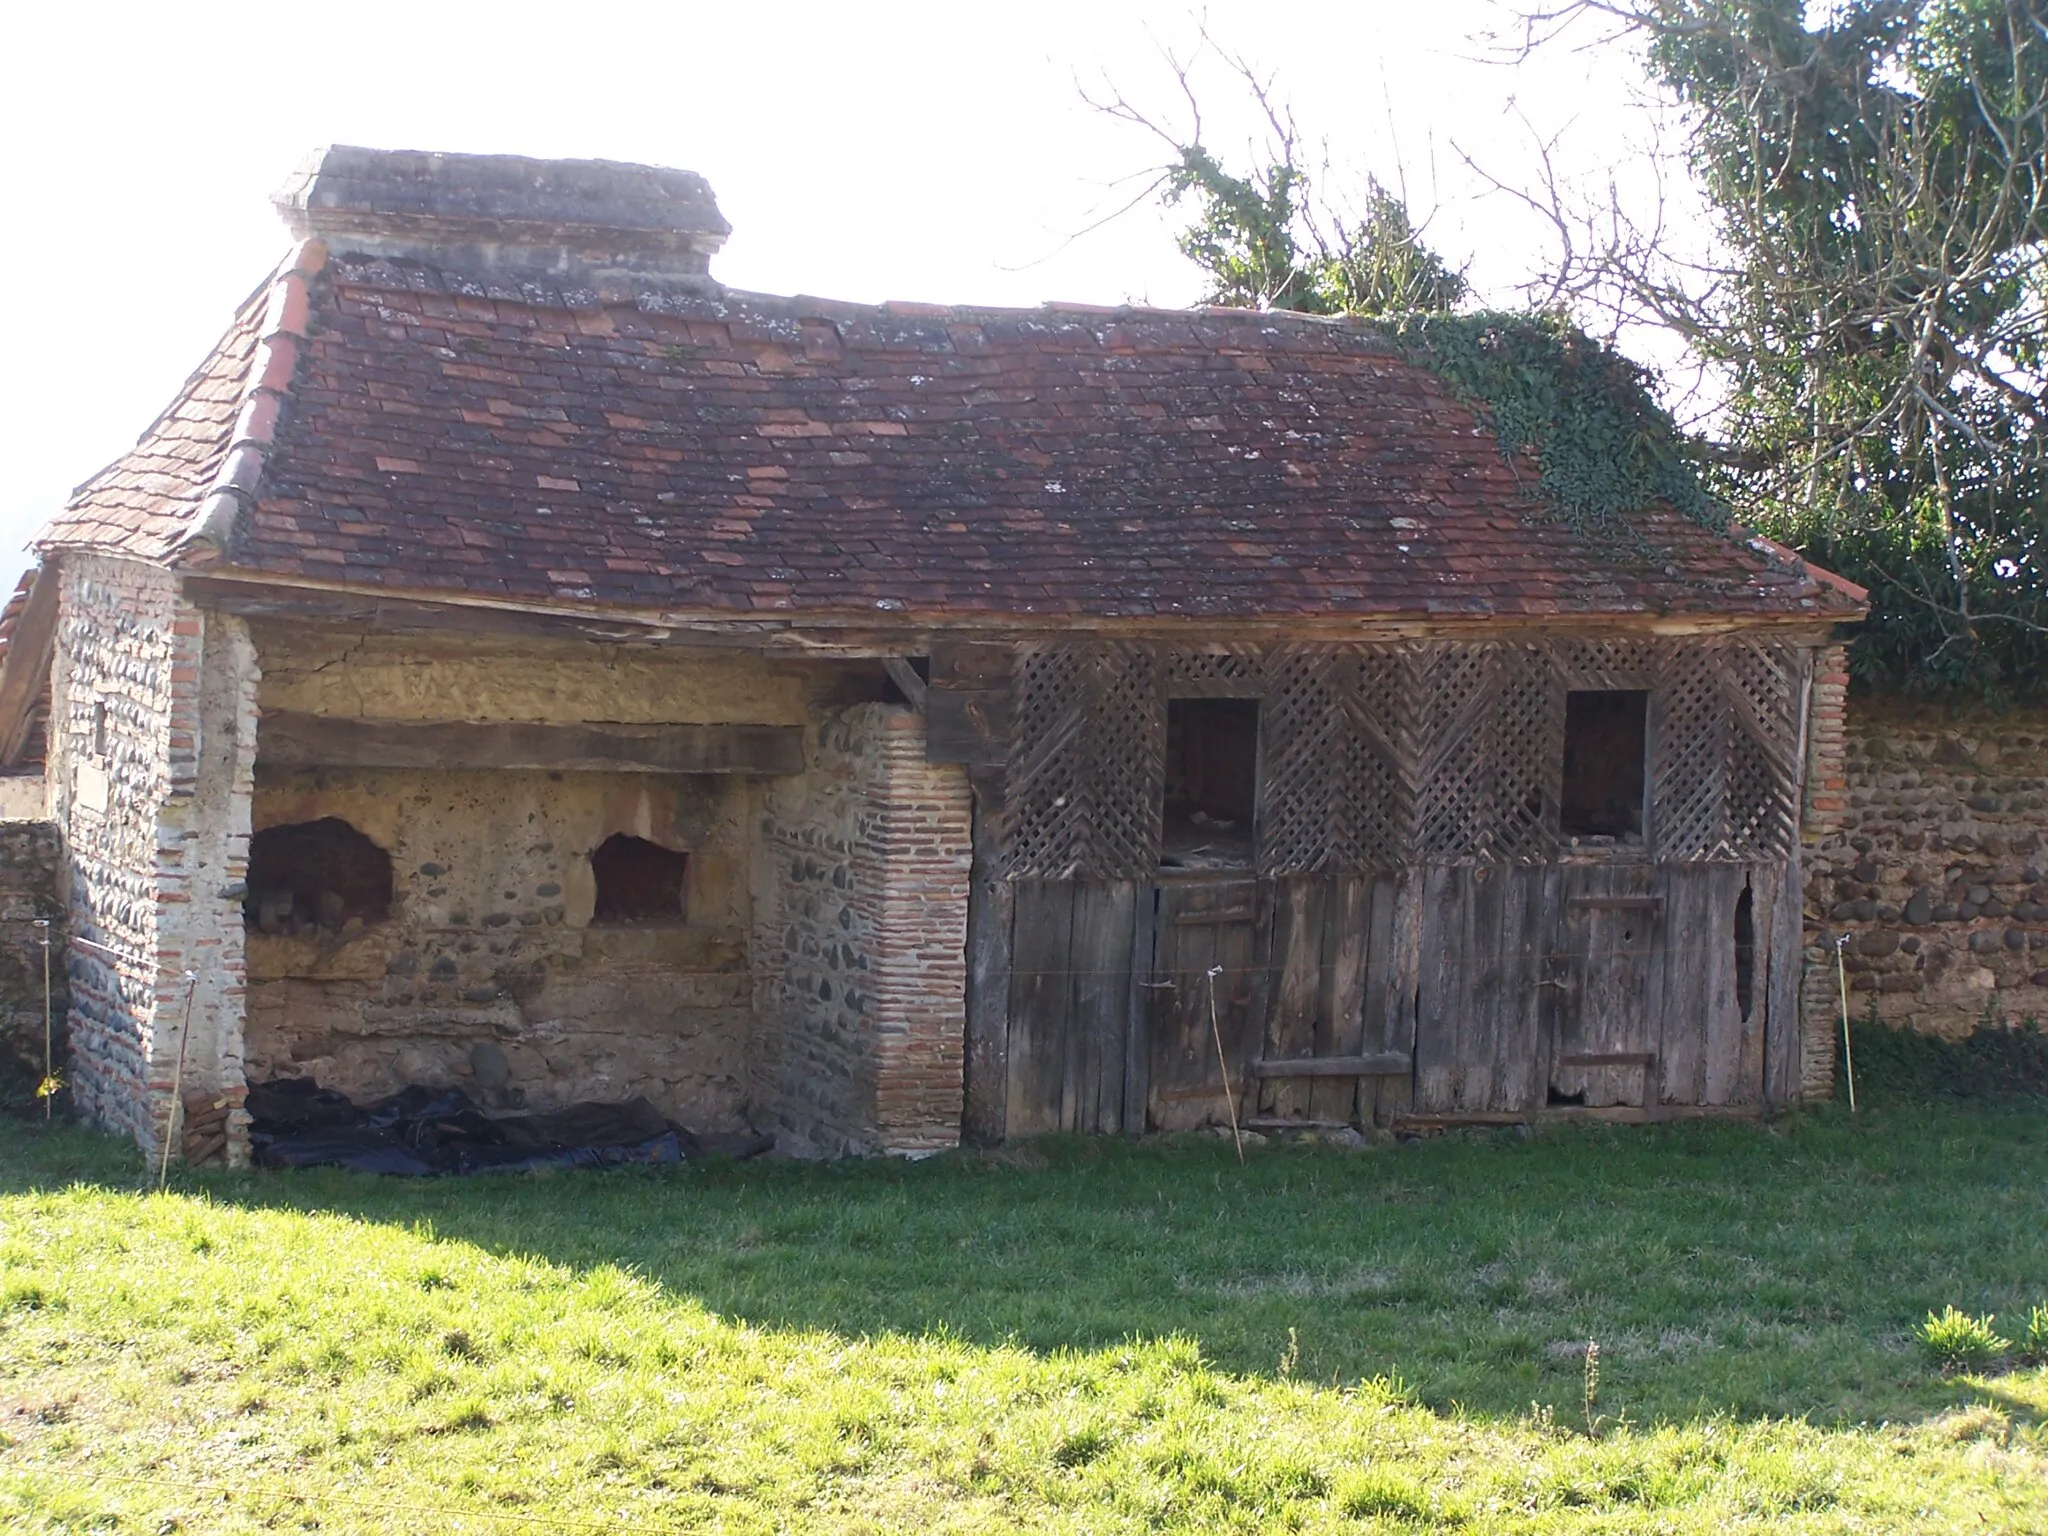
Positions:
{"x": 862, "y": 941}
{"x": 140, "y": 679}
{"x": 1938, "y": 870}
{"x": 490, "y": 972}
{"x": 31, "y": 880}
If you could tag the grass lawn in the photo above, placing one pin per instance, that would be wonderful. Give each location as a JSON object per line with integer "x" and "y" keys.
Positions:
{"x": 1071, "y": 1336}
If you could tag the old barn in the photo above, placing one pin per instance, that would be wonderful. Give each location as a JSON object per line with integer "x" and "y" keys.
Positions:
{"x": 517, "y": 662}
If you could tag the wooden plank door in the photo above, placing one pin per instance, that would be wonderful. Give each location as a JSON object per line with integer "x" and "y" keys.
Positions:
{"x": 1200, "y": 925}
{"x": 1606, "y": 986}
{"x": 1070, "y": 1005}
{"x": 1716, "y": 982}
{"x": 1479, "y": 988}
{"x": 1329, "y": 952}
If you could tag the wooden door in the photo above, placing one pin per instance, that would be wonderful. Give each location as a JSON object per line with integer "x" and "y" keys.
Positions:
{"x": 1605, "y": 980}
{"x": 1484, "y": 932}
{"x": 1071, "y": 1004}
{"x": 1202, "y": 926}
{"x": 1333, "y": 960}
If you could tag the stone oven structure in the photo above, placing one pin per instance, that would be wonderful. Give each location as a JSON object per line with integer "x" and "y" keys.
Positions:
{"x": 517, "y": 661}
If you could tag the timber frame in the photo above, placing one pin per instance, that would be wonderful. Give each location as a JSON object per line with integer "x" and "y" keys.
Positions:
{"x": 1414, "y": 939}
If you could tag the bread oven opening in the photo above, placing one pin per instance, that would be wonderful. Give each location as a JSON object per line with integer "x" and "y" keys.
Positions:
{"x": 316, "y": 877}
{"x": 638, "y": 881}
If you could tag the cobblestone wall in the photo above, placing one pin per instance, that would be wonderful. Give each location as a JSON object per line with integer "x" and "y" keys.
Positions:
{"x": 862, "y": 944}
{"x": 1937, "y": 874}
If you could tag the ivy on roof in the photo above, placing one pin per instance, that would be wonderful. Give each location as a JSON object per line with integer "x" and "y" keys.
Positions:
{"x": 1604, "y": 444}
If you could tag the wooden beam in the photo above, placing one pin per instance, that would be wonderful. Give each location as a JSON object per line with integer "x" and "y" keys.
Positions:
{"x": 27, "y": 665}
{"x": 905, "y": 677}
{"x": 1384, "y": 1064}
{"x": 967, "y": 726}
{"x": 286, "y": 739}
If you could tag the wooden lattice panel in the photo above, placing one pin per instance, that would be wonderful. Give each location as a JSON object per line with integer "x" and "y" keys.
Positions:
{"x": 1725, "y": 770}
{"x": 1607, "y": 661}
{"x": 1453, "y": 789}
{"x": 1375, "y": 795}
{"x": 1301, "y": 757}
{"x": 1088, "y": 764}
{"x": 1238, "y": 672}
{"x": 1524, "y": 734}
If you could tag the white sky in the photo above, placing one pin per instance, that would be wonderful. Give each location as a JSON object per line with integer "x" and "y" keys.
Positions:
{"x": 890, "y": 150}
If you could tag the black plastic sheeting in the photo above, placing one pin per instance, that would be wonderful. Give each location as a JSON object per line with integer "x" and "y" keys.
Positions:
{"x": 295, "y": 1123}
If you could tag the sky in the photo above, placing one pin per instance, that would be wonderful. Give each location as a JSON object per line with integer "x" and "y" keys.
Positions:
{"x": 942, "y": 153}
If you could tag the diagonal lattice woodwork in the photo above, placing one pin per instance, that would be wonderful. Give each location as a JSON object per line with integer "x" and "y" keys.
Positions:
{"x": 1088, "y": 764}
{"x": 1234, "y": 672}
{"x": 1524, "y": 733}
{"x": 1372, "y": 757}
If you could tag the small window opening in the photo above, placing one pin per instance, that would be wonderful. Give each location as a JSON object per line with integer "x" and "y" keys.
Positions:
{"x": 638, "y": 881}
{"x": 1745, "y": 953}
{"x": 1212, "y": 774}
{"x": 99, "y": 728}
{"x": 1606, "y": 734}
{"x": 316, "y": 876}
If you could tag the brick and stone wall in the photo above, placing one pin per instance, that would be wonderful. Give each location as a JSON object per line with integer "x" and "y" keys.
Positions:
{"x": 492, "y": 971}
{"x": 143, "y": 685}
{"x": 863, "y": 935}
{"x": 1934, "y": 864}
{"x": 31, "y": 882}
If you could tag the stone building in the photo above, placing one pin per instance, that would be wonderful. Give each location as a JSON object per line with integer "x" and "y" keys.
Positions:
{"x": 516, "y": 660}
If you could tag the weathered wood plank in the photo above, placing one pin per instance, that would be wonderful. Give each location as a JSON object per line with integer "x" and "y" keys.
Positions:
{"x": 1040, "y": 988}
{"x": 1138, "y": 1011}
{"x": 1608, "y": 950}
{"x": 1443, "y": 990}
{"x": 1731, "y": 1054}
{"x": 27, "y": 665}
{"x": 967, "y": 725}
{"x": 1098, "y": 1017}
{"x": 972, "y": 664}
{"x": 1780, "y": 961}
{"x": 991, "y": 915}
{"x": 1340, "y": 1018}
{"x": 1296, "y": 964}
{"x": 1383, "y": 1064}
{"x": 287, "y": 739}
{"x": 1394, "y": 953}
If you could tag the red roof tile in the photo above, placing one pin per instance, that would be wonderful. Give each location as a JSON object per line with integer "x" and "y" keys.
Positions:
{"x": 741, "y": 454}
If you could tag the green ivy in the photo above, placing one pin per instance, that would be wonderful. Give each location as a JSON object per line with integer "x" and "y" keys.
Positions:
{"x": 1993, "y": 1061}
{"x": 1605, "y": 446}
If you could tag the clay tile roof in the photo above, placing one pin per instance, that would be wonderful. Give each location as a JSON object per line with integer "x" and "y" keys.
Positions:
{"x": 747, "y": 456}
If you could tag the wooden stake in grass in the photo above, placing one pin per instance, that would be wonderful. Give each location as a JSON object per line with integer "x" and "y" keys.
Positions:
{"x": 47, "y": 1089}
{"x": 1848, "y": 1056}
{"x": 1223, "y": 1066}
{"x": 163, "y": 1167}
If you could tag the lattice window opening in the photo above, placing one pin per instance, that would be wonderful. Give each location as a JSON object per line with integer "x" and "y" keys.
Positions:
{"x": 1604, "y": 787}
{"x": 1210, "y": 793}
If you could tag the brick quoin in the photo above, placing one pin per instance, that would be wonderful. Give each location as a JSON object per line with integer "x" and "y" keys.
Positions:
{"x": 1822, "y": 831}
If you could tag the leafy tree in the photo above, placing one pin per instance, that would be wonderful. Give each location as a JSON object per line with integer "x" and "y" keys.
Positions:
{"x": 1878, "y": 181}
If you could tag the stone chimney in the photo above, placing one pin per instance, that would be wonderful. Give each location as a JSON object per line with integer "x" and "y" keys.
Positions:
{"x": 613, "y": 228}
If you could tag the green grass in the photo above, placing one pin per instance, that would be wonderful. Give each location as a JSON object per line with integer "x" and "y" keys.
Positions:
{"x": 1070, "y": 1336}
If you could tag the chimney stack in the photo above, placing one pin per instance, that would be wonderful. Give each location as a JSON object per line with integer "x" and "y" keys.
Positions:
{"x": 614, "y": 228}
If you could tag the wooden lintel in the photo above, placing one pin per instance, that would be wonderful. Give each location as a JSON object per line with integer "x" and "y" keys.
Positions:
{"x": 1384, "y": 1064}
{"x": 286, "y": 739}
{"x": 27, "y": 665}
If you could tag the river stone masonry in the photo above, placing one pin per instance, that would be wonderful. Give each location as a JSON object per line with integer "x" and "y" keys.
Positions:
{"x": 1939, "y": 879}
